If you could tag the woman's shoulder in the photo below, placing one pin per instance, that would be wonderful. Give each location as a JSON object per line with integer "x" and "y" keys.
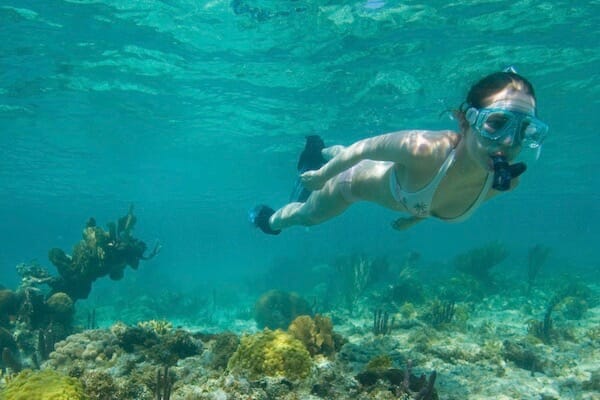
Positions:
{"x": 427, "y": 144}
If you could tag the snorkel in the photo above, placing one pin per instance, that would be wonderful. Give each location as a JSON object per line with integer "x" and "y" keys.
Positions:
{"x": 504, "y": 172}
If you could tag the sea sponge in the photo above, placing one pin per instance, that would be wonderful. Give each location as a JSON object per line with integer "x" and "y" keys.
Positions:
{"x": 271, "y": 353}
{"x": 61, "y": 307}
{"x": 276, "y": 309}
{"x": 42, "y": 385}
{"x": 316, "y": 334}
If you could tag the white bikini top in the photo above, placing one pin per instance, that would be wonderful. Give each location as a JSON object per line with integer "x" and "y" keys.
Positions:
{"x": 419, "y": 203}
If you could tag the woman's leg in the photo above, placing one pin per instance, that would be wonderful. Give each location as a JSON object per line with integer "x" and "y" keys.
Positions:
{"x": 322, "y": 205}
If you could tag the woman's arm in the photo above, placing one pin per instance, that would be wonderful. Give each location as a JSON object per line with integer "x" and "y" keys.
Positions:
{"x": 405, "y": 147}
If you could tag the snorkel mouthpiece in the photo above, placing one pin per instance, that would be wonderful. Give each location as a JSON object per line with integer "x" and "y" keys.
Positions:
{"x": 504, "y": 173}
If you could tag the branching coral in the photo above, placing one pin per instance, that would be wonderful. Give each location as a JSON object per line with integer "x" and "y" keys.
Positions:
{"x": 316, "y": 334}
{"x": 98, "y": 254}
{"x": 160, "y": 327}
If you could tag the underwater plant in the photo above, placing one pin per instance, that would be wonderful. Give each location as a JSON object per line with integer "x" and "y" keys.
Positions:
{"x": 382, "y": 325}
{"x": 572, "y": 299}
{"x": 164, "y": 384}
{"x": 271, "y": 353}
{"x": 440, "y": 313}
{"x": 354, "y": 274}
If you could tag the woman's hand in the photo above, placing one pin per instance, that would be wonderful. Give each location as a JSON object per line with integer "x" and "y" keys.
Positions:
{"x": 312, "y": 180}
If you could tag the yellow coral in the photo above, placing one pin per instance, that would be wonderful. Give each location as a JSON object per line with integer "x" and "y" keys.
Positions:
{"x": 271, "y": 353}
{"x": 160, "y": 327}
{"x": 42, "y": 385}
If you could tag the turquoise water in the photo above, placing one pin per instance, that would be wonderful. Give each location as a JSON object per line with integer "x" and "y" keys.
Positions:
{"x": 196, "y": 110}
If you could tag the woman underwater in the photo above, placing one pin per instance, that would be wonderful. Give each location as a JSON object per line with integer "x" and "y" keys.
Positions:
{"x": 440, "y": 174}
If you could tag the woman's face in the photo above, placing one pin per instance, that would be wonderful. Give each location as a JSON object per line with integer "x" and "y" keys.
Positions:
{"x": 483, "y": 148}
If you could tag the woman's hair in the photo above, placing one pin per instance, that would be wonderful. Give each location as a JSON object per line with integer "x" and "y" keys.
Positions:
{"x": 487, "y": 87}
{"x": 494, "y": 83}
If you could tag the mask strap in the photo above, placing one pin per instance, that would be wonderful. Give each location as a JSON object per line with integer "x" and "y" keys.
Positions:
{"x": 471, "y": 115}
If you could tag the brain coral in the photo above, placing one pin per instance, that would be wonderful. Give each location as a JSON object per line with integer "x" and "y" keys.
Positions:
{"x": 42, "y": 385}
{"x": 271, "y": 353}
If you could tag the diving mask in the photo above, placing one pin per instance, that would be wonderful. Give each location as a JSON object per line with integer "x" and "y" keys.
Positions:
{"x": 499, "y": 123}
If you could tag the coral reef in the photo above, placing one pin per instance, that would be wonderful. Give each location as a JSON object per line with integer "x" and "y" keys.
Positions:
{"x": 98, "y": 254}
{"x": 483, "y": 354}
{"x": 276, "y": 309}
{"x": 271, "y": 353}
{"x": 43, "y": 385}
{"x": 99, "y": 385}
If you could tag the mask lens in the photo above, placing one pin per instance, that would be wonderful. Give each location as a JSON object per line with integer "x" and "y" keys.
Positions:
{"x": 533, "y": 132}
{"x": 496, "y": 123}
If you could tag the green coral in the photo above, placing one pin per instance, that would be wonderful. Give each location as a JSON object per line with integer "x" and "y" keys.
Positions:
{"x": 271, "y": 353}
{"x": 43, "y": 385}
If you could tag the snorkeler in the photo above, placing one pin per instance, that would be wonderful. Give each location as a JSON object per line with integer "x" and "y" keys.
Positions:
{"x": 441, "y": 174}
